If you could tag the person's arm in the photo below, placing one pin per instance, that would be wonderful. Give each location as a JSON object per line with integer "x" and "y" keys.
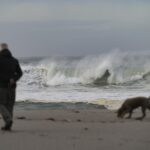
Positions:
{"x": 18, "y": 72}
{"x": 4, "y": 77}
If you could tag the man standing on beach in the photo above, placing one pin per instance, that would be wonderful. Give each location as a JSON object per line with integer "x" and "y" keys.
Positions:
{"x": 10, "y": 73}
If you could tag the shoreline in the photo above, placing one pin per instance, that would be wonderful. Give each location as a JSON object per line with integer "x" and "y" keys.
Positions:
{"x": 57, "y": 105}
{"x": 75, "y": 129}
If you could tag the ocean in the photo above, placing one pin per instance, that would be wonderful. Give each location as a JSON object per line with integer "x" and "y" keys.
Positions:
{"x": 71, "y": 82}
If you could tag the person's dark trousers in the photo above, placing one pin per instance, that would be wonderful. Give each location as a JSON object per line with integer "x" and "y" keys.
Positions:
{"x": 7, "y": 101}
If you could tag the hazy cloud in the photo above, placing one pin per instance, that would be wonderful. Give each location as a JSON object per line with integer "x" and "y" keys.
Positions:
{"x": 42, "y": 11}
{"x": 70, "y": 27}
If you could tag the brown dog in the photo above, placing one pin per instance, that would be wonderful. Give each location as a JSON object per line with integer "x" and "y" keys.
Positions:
{"x": 132, "y": 103}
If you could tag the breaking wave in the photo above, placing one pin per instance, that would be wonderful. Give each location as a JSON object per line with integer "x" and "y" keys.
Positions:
{"x": 80, "y": 79}
{"x": 125, "y": 70}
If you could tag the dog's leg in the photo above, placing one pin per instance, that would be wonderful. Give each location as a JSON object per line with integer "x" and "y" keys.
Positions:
{"x": 129, "y": 110}
{"x": 143, "y": 108}
{"x": 130, "y": 114}
{"x": 148, "y": 106}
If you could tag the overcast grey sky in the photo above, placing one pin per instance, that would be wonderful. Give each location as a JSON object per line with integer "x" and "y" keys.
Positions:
{"x": 74, "y": 27}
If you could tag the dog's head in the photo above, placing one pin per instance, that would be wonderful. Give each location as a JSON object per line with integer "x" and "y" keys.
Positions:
{"x": 121, "y": 112}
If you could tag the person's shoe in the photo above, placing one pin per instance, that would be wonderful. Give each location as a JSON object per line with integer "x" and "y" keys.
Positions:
{"x": 7, "y": 127}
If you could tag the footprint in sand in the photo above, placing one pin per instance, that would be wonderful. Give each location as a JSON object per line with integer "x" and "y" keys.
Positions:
{"x": 21, "y": 118}
{"x": 79, "y": 120}
{"x": 86, "y": 128}
{"x": 51, "y": 119}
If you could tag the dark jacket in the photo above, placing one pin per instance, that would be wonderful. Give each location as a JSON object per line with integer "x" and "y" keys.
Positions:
{"x": 9, "y": 69}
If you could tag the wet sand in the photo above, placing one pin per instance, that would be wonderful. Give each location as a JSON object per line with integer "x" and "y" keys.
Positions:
{"x": 75, "y": 130}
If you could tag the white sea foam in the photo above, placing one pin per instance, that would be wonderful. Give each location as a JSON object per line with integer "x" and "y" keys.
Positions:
{"x": 71, "y": 79}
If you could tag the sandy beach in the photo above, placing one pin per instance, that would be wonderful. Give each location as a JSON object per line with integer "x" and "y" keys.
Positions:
{"x": 75, "y": 130}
